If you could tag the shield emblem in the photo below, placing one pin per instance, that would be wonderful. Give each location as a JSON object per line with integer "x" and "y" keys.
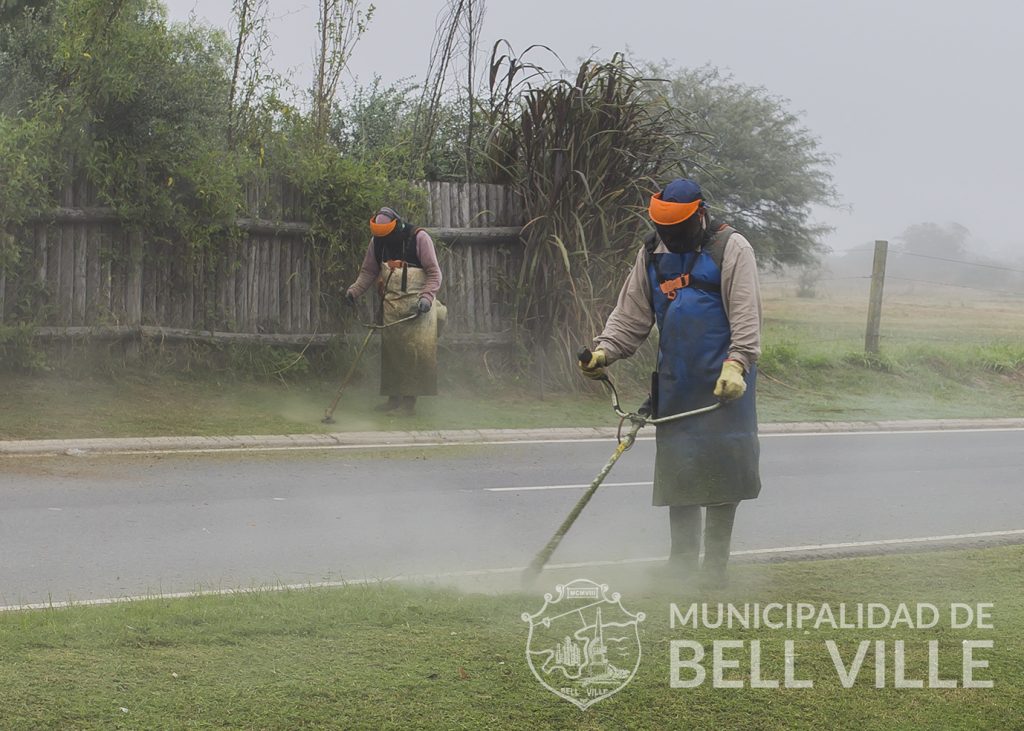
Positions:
{"x": 583, "y": 645}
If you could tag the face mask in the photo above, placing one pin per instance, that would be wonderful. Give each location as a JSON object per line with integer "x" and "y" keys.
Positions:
{"x": 683, "y": 237}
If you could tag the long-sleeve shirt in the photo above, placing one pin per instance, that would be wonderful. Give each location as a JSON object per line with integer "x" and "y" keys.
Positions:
{"x": 370, "y": 269}
{"x": 633, "y": 317}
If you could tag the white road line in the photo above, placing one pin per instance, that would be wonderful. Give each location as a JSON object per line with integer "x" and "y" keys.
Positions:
{"x": 318, "y": 447}
{"x": 565, "y": 487}
{"x": 879, "y": 432}
{"x": 493, "y": 572}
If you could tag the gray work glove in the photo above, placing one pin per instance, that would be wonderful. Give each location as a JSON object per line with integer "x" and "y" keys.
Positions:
{"x": 424, "y": 305}
{"x": 350, "y": 299}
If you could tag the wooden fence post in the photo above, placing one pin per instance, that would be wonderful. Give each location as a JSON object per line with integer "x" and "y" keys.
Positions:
{"x": 875, "y": 299}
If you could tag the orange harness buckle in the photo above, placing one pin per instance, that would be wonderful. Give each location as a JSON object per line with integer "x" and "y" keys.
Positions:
{"x": 671, "y": 287}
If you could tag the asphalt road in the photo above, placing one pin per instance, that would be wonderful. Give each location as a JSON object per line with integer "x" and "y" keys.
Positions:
{"x": 91, "y": 527}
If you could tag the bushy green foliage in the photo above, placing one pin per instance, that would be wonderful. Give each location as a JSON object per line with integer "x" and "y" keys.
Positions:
{"x": 19, "y": 352}
{"x": 340, "y": 194}
{"x": 27, "y": 165}
{"x": 135, "y": 105}
{"x": 378, "y": 125}
{"x": 140, "y": 109}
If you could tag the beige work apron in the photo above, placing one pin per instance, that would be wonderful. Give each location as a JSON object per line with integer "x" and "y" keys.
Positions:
{"x": 408, "y": 351}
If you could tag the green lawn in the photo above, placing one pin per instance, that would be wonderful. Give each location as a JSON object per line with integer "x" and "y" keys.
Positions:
{"x": 401, "y": 657}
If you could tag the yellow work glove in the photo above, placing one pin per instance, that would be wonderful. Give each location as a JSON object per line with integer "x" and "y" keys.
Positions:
{"x": 730, "y": 384}
{"x": 595, "y": 368}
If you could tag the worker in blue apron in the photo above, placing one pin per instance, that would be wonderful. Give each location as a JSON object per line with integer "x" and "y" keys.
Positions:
{"x": 697, "y": 280}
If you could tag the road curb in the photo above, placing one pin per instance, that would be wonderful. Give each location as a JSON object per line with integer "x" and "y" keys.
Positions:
{"x": 355, "y": 440}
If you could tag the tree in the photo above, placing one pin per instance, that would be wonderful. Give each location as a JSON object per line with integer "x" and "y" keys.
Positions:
{"x": 376, "y": 124}
{"x": 340, "y": 24}
{"x": 457, "y": 35}
{"x": 762, "y": 169}
{"x": 248, "y": 70}
{"x": 138, "y": 104}
{"x": 933, "y": 239}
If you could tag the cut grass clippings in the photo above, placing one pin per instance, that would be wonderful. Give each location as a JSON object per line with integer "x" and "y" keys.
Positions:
{"x": 400, "y": 657}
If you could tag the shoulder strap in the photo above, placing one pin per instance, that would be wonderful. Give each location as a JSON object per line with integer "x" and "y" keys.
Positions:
{"x": 650, "y": 244}
{"x": 716, "y": 248}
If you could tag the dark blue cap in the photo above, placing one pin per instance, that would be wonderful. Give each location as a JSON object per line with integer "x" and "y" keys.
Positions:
{"x": 682, "y": 190}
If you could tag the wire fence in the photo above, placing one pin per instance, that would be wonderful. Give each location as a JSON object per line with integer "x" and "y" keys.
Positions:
{"x": 927, "y": 300}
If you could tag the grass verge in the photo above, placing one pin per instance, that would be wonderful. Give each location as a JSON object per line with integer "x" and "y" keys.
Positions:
{"x": 49, "y": 406}
{"x": 396, "y": 657}
{"x": 939, "y": 359}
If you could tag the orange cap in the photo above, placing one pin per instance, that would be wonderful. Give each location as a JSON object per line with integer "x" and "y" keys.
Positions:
{"x": 382, "y": 229}
{"x": 667, "y": 213}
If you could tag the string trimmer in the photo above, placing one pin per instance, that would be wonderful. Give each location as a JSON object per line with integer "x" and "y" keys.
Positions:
{"x": 637, "y": 421}
{"x": 329, "y": 414}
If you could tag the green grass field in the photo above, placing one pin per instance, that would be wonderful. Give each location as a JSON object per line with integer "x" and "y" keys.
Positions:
{"x": 941, "y": 358}
{"x": 405, "y": 657}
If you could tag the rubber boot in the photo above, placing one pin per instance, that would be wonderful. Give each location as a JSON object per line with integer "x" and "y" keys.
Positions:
{"x": 391, "y": 404}
{"x": 684, "y": 529}
{"x": 717, "y": 540}
{"x": 408, "y": 405}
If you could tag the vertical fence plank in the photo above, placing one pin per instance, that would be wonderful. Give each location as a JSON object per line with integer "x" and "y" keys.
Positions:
{"x": 78, "y": 292}
{"x": 230, "y": 264}
{"x": 245, "y": 302}
{"x": 315, "y": 293}
{"x": 480, "y": 201}
{"x": 470, "y": 302}
{"x": 257, "y": 284}
{"x": 91, "y": 305}
{"x": 106, "y": 254}
{"x": 444, "y": 193}
{"x": 486, "y": 214}
{"x": 188, "y": 316}
{"x": 66, "y": 285}
{"x": 274, "y": 283}
{"x": 437, "y": 216}
{"x": 486, "y": 283}
{"x": 118, "y": 274}
{"x": 252, "y": 285}
{"x": 285, "y": 284}
{"x": 307, "y": 290}
{"x": 296, "y": 276}
{"x": 240, "y": 279}
{"x": 116, "y": 259}
{"x": 41, "y": 253}
{"x": 148, "y": 291}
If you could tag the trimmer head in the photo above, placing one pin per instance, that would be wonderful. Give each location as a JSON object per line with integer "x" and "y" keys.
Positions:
{"x": 528, "y": 579}
{"x": 328, "y": 420}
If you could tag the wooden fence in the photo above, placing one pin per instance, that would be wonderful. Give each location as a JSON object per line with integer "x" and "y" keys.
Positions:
{"x": 92, "y": 275}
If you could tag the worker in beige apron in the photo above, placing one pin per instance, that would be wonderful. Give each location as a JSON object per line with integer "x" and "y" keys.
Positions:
{"x": 401, "y": 259}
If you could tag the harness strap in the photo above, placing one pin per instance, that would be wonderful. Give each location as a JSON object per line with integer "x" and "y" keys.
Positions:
{"x": 714, "y": 246}
{"x": 670, "y": 287}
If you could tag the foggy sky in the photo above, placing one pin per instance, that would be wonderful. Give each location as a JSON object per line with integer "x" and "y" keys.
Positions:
{"x": 919, "y": 99}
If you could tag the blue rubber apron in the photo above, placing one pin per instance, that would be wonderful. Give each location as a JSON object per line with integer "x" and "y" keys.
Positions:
{"x": 711, "y": 458}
